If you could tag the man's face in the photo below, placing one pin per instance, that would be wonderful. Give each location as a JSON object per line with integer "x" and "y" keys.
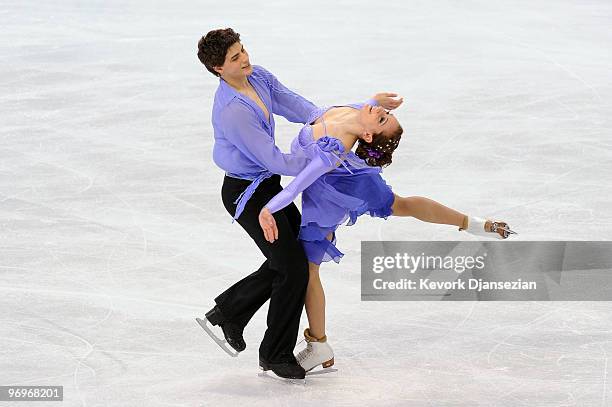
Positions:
{"x": 236, "y": 63}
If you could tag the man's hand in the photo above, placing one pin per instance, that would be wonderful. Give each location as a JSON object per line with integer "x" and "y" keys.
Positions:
{"x": 268, "y": 224}
{"x": 387, "y": 101}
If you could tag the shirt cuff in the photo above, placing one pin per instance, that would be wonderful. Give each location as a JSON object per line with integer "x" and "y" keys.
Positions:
{"x": 371, "y": 102}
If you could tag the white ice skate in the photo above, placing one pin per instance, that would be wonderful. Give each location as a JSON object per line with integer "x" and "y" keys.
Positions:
{"x": 487, "y": 228}
{"x": 317, "y": 352}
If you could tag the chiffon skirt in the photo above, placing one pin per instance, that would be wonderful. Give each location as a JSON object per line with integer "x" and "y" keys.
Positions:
{"x": 339, "y": 197}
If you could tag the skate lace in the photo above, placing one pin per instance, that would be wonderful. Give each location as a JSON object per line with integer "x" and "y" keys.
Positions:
{"x": 304, "y": 353}
{"x": 502, "y": 228}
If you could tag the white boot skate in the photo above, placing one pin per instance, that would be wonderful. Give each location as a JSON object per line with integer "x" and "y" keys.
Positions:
{"x": 317, "y": 352}
{"x": 486, "y": 228}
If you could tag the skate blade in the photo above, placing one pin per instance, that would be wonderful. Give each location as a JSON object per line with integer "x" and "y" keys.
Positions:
{"x": 264, "y": 374}
{"x": 221, "y": 342}
{"x": 321, "y": 371}
{"x": 496, "y": 235}
{"x": 506, "y": 231}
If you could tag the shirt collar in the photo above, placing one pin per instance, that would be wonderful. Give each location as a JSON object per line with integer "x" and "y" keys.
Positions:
{"x": 226, "y": 93}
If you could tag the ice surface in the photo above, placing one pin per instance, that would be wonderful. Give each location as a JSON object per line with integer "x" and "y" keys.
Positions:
{"x": 113, "y": 236}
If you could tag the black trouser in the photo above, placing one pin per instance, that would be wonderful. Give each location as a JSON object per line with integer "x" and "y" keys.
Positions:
{"x": 282, "y": 278}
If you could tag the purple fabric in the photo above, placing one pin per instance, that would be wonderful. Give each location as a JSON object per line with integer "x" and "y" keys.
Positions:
{"x": 338, "y": 197}
{"x": 327, "y": 154}
{"x": 332, "y": 194}
{"x": 244, "y": 140}
{"x": 324, "y": 155}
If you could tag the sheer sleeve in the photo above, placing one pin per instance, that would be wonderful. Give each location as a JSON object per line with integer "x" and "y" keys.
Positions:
{"x": 241, "y": 129}
{"x": 371, "y": 102}
{"x": 285, "y": 102}
{"x": 317, "y": 167}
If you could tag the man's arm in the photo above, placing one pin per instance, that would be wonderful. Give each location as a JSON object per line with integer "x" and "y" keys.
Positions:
{"x": 285, "y": 102}
{"x": 241, "y": 127}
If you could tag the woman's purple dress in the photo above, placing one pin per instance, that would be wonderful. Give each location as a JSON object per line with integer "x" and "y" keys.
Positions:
{"x": 337, "y": 187}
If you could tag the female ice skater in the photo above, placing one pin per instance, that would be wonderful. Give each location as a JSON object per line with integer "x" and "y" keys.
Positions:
{"x": 338, "y": 185}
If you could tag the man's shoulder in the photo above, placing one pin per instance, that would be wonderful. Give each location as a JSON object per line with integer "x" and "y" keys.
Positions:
{"x": 261, "y": 73}
{"x": 222, "y": 96}
{"x": 260, "y": 70}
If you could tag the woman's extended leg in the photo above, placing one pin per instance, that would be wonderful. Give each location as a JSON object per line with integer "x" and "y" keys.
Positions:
{"x": 431, "y": 211}
{"x": 427, "y": 210}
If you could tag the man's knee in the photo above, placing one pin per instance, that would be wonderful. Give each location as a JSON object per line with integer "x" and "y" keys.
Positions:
{"x": 294, "y": 266}
{"x": 297, "y": 270}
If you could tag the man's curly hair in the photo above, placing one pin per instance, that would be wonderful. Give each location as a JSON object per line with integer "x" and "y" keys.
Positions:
{"x": 212, "y": 48}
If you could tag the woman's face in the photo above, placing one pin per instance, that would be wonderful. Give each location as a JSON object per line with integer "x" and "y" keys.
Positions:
{"x": 377, "y": 120}
{"x": 236, "y": 63}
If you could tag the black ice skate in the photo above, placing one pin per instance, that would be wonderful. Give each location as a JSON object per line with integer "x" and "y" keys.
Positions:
{"x": 231, "y": 332}
{"x": 284, "y": 370}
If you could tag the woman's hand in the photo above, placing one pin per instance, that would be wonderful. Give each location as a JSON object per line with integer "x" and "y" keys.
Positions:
{"x": 386, "y": 100}
{"x": 268, "y": 224}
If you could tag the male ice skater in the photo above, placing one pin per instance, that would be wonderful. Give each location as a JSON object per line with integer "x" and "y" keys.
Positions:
{"x": 243, "y": 122}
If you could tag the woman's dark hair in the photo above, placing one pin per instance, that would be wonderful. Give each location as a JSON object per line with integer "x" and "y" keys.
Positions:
{"x": 379, "y": 152}
{"x": 212, "y": 48}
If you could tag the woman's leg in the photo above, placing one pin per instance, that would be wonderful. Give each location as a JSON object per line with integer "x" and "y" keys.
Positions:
{"x": 315, "y": 300}
{"x": 427, "y": 210}
{"x": 317, "y": 351}
{"x": 431, "y": 211}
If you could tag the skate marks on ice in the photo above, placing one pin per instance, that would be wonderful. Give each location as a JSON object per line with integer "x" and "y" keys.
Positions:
{"x": 277, "y": 379}
{"x": 323, "y": 371}
{"x": 221, "y": 342}
{"x": 313, "y": 374}
{"x": 336, "y": 389}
